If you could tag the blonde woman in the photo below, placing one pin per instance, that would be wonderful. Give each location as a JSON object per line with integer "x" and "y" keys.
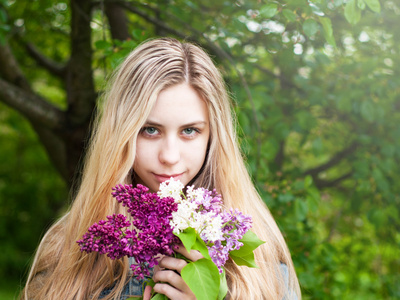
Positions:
{"x": 166, "y": 114}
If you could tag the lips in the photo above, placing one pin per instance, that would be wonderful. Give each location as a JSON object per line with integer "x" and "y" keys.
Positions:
{"x": 163, "y": 177}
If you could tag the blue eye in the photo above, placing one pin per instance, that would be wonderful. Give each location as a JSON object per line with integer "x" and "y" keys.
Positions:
{"x": 188, "y": 130}
{"x": 149, "y": 130}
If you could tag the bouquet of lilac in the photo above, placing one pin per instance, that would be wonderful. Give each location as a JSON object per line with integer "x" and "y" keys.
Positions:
{"x": 163, "y": 219}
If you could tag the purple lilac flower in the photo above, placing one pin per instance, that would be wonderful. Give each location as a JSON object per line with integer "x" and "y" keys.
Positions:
{"x": 210, "y": 202}
{"x": 236, "y": 224}
{"x": 151, "y": 234}
{"x": 104, "y": 237}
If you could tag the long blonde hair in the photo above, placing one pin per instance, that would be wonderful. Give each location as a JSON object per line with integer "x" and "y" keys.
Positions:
{"x": 61, "y": 271}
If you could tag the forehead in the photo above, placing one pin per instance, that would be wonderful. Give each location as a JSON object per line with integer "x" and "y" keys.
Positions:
{"x": 179, "y": 104}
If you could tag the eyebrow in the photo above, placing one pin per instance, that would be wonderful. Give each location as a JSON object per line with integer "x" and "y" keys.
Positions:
{"x": 195, "y": 123}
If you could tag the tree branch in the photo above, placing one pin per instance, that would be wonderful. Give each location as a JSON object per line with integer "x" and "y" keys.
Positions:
{"x": 280, "y": 156}
{"x": 320, "y": 183}
{"x": 81, "y": 95}
{"x": 31, "y": 106}
{"x": 333, "y": 161}
{"x": 45, "y": 118}
{"x": 117, "y": 20}
{"x": 283, "y": 79}
{"x": 150, "y": 19}
{"x": 10, "y": 70}
{"x": 53, "y": 67}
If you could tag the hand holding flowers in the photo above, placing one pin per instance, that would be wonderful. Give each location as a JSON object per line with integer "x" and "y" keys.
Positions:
{"x": 161, "y": 220}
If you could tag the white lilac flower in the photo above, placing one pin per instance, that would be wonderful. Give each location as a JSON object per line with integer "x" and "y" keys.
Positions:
{"x": 171, "y": 188}
{"x": 195, "y": 195}
{"x": 197, "y": 221}
{"x": 213, "y": 231}
{"x": 181, "y": 218}
{"x": 201, "y": 210}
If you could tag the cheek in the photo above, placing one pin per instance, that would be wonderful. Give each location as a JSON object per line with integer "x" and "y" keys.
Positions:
{"x": 198, "y": 153}
{"x": 144, "y": 154}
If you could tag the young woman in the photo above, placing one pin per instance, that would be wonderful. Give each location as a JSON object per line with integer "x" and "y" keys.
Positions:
{"x": 166, "y": 114}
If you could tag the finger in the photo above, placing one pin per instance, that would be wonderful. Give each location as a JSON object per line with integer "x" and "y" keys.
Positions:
{"x": 169, "y": 276}
{"x": 173, "y": 279}
{"x": 193, "y": 255}
{"x": 172, "y": 263}
{"x": 169, "y": 282}
{"x": 147, "y": 292}
{"x": 171, "y": 292}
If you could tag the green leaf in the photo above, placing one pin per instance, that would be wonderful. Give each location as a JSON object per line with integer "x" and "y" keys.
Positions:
{"x": 157, "y": 297}
{"x": 308, "y": 181}
{"x": 101, "y": 45}
{"x": 223, "y": 286}
{"x": 188, "y": 238}
{"x": 361, "y": 4}
{"x": 269, "y": 10}
{"x": 327, "y": 25}
{"x": 317, "y": 146}
{"x": 301, "y": 209}
{"x": 352, "y": 12}
{"x": 138, "y": 34}
{"x": 312, "y": 203}
{"x": 149, "y": 282}
{"x": 200, "y": 246}
{"x": 328, "y": 31}
{"x": 367, "y": 111}
{"x": 310, "y": 27}
{"x": 202, "y": 277}
{"x": 250, "y": 243}
{"x": 3, "y": 15}
{"x": 289, "y": 15}
{"x": 247, "y": 260}
{"x": 374, "y": 5}
{"x": 285, "y": 198}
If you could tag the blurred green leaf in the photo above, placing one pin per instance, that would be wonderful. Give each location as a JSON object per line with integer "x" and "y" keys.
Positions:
{"x": 368, "y": 111}
{"x": 102, "y": 45}
{"x": 374, "y": 5}
{"x": 328, "y": 31}
{"x": 310, "y": 27}
{"x": 269, "y": 10}
{"x": 289, "y": 15}
{"x": 361, "y": 4}
{"x": 352, "y": 12}
{"x": 301, "y": 209}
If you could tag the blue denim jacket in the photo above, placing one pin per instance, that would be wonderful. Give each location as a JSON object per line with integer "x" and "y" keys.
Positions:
{"x": 135, "y": 287}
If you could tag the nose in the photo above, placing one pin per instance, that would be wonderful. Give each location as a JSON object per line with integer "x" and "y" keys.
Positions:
{"x": 170, "y": 152}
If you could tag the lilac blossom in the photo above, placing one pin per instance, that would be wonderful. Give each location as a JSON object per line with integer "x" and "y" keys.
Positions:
{"x": 236, "y": 224}
{"x": 157, "y": 219}
{"x": 149, "y": 235}
{"x": 202, "y": 210}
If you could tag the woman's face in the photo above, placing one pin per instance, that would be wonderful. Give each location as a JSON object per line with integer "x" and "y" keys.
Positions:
{"x": 173, "y": 141}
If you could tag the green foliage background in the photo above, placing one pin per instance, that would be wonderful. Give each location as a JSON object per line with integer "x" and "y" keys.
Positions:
{"x": 316, "y": 89}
